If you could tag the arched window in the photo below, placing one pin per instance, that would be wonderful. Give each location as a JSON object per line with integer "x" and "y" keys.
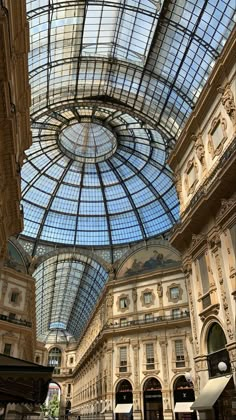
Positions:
{"x": 217, "y": 352}
{"x": 152, "y": 399}
{"x": 216, "y": 339}
{"x": 124, "y": 386}
{"x": 54, "y": 359}
{"x": 152, "y": 384}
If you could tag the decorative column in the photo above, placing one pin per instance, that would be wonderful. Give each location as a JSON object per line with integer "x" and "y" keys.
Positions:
{"x": 134, "y": 296}
{"x": 166, "y": 392}
{"x": 137, "y": 414}
{"x": 109, "y": 413}
{"x": 216, "y": 252}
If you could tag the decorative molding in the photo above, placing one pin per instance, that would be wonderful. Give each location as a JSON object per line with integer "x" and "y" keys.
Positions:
{"x": 226, "y": 205}
{"x": 168, "y": 293}
{"x": 210, "y": 310}
{"x": 190, "y": 176}
{"x": 199, "y": 149}
{"x": 123, "y": 296}
{"x": 228, "y": 102}
{"x": 215, "y": 145}
{"x": 147, "y": 305}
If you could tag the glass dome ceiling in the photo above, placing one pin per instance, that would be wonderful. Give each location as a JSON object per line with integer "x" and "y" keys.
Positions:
{"x": 87, "y": 142}
{"x": 96, "y": 177}
{"x": 112, "y": 86}
{"x": 100, "y": 74}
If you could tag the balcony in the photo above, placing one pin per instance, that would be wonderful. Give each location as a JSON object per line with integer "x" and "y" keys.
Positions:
{"x": 152, "y": 320}
{"x": 16, "y": 321}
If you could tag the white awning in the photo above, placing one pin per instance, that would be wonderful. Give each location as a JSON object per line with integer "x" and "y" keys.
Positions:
{"x": 123, "y": 408}
{"x": 210, "y": 393}
{"x": 183, "y": 407}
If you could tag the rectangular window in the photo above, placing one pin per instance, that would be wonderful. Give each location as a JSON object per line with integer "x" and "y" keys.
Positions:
{"x": 7, "y": 349}
{"x": 12, "y": 315}
{"x": 148, "y": 317}
{"x": 203, "y": 273}
{"x": 123, "y": 359}
{"x": 123, "y": 303}
{"x": 14, "y": 297}
{"x": 150, "y": 362}
{"x": 174, "y": 292}
{"x": 123, "y": 322}
{"x": 68, "y": 389}
{"x": 217, "y": 135}
{"x": 179, "y": 353}
{"x": 147, "y": 298}
{"x": 176, "y": 313}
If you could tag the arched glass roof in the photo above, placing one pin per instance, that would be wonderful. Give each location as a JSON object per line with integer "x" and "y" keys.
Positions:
{"x": 112, "y": 85}
{"x": 152, "y": 56}
{"x": 67, "y": 289}
{"x": 110, "y": 186}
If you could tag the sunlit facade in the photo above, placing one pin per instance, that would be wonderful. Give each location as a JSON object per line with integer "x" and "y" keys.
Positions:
{"x": 117, "y": 182}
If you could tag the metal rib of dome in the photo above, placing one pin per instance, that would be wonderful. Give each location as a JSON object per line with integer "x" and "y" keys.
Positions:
{"x": 126, "y": 197}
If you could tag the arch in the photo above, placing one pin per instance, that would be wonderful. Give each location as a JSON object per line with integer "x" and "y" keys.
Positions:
{"x": 55, "y": 358}
{"x": 143, "y": 255}
{"x": 152, "y": 399}
{"x": 124, "y": 386}
{"x": 181, "y": 382}
{"x": 183, "y": 393}
{"x": 216, "y": 339}
{"x": 123, "y": 397}
{"x": 204, "y": 332}
{"x": 214, "y": 343}
{"x": 152, "y": 384}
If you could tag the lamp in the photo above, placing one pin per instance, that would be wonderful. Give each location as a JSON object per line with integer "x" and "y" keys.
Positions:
{"x": 188, "y": 377}
{"x": 222, "y": 367}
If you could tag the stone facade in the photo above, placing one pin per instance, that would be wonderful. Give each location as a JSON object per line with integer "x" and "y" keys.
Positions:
{"x": 206, "y": 172}
{"x": 133, "y": 313}
{"x": 15, "y": 135}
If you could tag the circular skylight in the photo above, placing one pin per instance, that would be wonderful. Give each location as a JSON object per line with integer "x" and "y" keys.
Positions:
{"x": 87, "y": 142}
{"x": 96, "y": 177}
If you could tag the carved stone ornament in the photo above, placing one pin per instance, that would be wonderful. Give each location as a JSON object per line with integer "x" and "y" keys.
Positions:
{"x": 199, "y": 148}
{"x": 215, "y": 242}
{"x": 178, "y": 185}
{"x": 190, "y": 178}
{"x": 228, "y": 103}
{"x": 217, "y": 136}
{"x": 225, "y": 206}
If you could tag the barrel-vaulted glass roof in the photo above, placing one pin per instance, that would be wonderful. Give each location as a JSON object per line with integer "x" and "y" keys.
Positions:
{"x": 112, "y": 85}
{"x": 67, "y": 289}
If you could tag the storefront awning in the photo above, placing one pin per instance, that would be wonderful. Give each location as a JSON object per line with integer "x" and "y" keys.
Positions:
{"x": 210, "y": 393}
{"x": 22, "y": 381}
{"x": 183, "y": 407}
{"x": 123, "y": 408}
